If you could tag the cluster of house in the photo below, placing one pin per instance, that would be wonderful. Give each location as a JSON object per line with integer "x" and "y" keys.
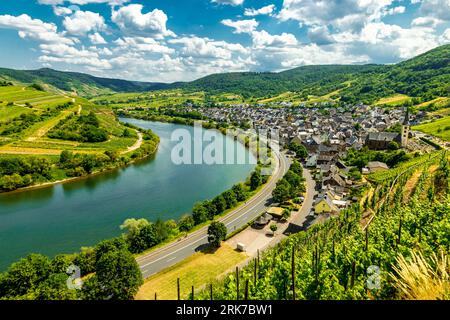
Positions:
{"x": 327, "y": 134}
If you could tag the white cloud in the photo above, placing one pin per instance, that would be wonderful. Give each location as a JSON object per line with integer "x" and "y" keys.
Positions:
{"x": 395, "y": 42}
{"x": 320, "y": 35}
{"x": 267, "y": 10}
{"x": 131, "y": 20}
{"x": 341, "y": 14}
{"x": 82, "y": 2}
{"x": 445, "y": 37}
{"x": 62, "y": 11}
{"x": 34, "y": 29}
{"x": 96, "y": 38}
{"x": 229, "y": 2}
{"x": 207, "y": 48}
{"x": 263, "y": 39}
{"x": 241, "y": 26}
{"x": 439, "y": 9}
{"x": 142, "y": 44}
{"x": 430, "y": 22}
{"x": 395, "y": 10}
{"x": 67, "y": 54}
{"x": 82, "y": 22}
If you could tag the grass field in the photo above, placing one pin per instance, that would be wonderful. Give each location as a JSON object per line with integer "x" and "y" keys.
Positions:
{"x": 198, "y": 270}
{"x": 149, "y": 99}
{"x": 393, "y": 100}
{"x": 9, "y": 112}
{"x": 439, "y": 128}
{"x": 34, "y": 140}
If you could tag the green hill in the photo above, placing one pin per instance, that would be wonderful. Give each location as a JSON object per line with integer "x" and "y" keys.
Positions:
{"x": 401, "y": 228}
{"x": 426, "y": 76}
{"x": 80, "y": 83}
{"x": 310, "y": 80}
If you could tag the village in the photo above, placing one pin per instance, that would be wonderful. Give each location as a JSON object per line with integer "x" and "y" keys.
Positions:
{"x": 328, "y": 133}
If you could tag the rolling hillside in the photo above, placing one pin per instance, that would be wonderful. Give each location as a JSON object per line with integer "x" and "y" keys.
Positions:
{"x": 82, "y": 84}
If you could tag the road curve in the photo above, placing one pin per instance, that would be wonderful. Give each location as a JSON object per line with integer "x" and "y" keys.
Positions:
{"x": 177, "y": 251}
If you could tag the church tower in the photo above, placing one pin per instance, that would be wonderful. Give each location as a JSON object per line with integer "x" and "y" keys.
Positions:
{"x": 405, "y": 130}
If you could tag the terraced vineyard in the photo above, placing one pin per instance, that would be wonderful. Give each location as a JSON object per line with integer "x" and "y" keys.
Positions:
{"x": 439, "y": 128}
{"x": 350, "y": 257}
{"x": 29, "y": 119}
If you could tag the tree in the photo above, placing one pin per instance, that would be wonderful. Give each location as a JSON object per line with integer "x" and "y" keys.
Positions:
{"x": 24, "y": 275}
{"x": 299, "y": 149}
{"x": 220, "y": 204}
{"x": 199, "y": 213}
{"x": 217, "y": 232}
{"x": 392, "y": 145}
{"x": 65, "y": 157}
{"x": 255, "y": 180}
{"x": 133, "y": 226}
{"x": 273, "y": 228}
{"x": 297, "y": 168}
{"x": 210, "y": 208}
{"x": 143, "y": 239}
{"x": 230, "y": 198}
{"x": 281, "y": 193}
{"x": 186, "y": 223}
{"x": 85, "y": 260}
{"x": 60, "y": 263}
{"x": 117, "y": 277}
{"x": 286, "y": 214}
{"x": 55, "y": 288}
{"x": 109, "y": 245}
{"x": 162, "y": 231}
{"x": 239, "y": 192}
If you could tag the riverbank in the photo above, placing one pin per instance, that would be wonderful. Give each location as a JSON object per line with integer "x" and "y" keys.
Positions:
{"x": 81, "y": 213}
{"x": 124, "y": 161}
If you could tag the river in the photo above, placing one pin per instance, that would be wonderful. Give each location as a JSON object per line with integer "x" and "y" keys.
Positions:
{"x": 64, "y": 217}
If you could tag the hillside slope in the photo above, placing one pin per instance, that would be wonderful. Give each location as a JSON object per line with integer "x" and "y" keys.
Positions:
{"x": 426, "y": 76}
{"x": 358, "y": 255}
{"x": 79, "y": 83}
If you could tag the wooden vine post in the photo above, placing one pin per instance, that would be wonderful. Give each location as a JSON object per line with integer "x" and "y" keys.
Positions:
{"x": 237, "y": 283}
{"x": 293, "y": 274}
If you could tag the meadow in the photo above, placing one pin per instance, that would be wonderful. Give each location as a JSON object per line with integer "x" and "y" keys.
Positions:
{"x": 439, "y": 128}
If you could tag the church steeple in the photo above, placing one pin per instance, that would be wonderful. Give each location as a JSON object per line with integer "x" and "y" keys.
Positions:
{"x": 406, "y": 120}
{"x": 405, "y": 130}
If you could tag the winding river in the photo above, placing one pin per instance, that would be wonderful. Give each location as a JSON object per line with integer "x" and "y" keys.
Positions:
{"x": 64, "y": 217}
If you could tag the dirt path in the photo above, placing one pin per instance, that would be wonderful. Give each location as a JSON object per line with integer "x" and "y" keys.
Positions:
{"x": 137, "y": 145}
{"x": 46, "y": 127}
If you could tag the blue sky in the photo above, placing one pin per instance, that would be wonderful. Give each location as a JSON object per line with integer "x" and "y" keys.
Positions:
{"x": 180, "y": 40}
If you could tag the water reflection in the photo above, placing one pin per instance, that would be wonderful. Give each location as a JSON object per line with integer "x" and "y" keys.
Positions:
{"x": 39, "y": 196}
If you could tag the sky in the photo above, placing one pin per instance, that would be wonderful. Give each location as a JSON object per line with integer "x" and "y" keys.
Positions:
{"x": 182, "y": 40}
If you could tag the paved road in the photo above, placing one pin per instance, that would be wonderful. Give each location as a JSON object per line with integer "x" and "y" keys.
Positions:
{"x": 181, "y": 249}
{"x": 307, "y": 206}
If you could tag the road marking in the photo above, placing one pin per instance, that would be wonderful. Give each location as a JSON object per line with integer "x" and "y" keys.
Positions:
{"x": 145, "y": 265}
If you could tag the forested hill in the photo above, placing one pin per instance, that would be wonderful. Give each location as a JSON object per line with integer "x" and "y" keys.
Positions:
{"x": 308, "y": 79}
{"x": 426, "y": 76}
{"x": 80, "y": 83}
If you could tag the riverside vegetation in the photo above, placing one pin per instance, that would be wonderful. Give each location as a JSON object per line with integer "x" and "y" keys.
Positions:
{"x": 46, "y": 138}
{"x": 109, "y": 269}
{"x": 392, "y": 245}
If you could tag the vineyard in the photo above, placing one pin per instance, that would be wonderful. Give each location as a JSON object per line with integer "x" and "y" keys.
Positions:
{"x": 401, "y": 252}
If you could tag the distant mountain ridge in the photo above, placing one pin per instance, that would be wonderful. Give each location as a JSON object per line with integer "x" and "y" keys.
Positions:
{"x": 80, "y": 83}
{"x": 426, "y": 76}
